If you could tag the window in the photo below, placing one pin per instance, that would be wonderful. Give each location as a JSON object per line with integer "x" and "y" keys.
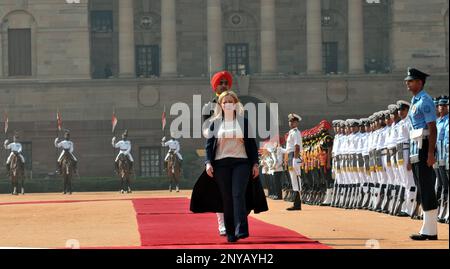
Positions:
{"x": 150, "y": 162}
{"x": 101, "y": 21}
{"x": 237, "y": 59}
{"x": 27, "y": 154}
{"x": 147, "y": 61}
{"x": 19, "y": 52}
{"x": 330, "y": 57}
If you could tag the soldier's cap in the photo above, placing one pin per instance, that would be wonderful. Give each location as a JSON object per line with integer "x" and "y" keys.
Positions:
{"x": 356, "y": 123}
{"x": 443, "y": 100}
{"x": 387, "y": 114}
{"x": 294, "y": 116}
{"x": 125, "y": 133}
{"x": 403, "y": 104}
{"x": 414, "y": 73}
{"x": 67, "y": 132}
{"x": 365, "y": 121}
{"x": 436, "y": 100}
{"x": 393, "y": 109}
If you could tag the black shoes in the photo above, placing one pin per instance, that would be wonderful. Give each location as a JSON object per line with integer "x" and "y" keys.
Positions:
{"x": 422, "y": 237}
{"x": 293, "y": 208}
{"x": 231, "y": 238}
{"x": 242, "y": 236}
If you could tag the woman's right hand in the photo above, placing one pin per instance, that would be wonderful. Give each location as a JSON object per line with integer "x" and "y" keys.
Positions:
{"x": 209, "y": 170}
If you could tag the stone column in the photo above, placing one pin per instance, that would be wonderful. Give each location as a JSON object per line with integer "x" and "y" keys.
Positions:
{"x": 126, "y": 39}
{"x": 215, "y": 38}
{"x": 314, "y": 37}
{"x": 355, "y": 37}
{"x": 1, "y": 53}
{"x": 268, "y": 38}
{"x": 168, "y": 39}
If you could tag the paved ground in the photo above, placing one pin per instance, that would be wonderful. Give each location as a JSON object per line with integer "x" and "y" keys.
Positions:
{"x": 108, "y": 219}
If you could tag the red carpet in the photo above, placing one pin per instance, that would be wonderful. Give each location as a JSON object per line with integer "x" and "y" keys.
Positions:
{"x": 167, "y": 223}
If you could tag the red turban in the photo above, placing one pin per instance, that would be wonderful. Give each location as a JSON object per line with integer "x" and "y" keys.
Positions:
{"x": 215, "y": 81}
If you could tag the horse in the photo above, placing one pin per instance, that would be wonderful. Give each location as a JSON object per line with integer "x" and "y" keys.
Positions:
{"x": 17, "y": 171}
{"x": 67, "y": 171}
{"x": 124, "y": 173}
{"x": 173, "y": 169}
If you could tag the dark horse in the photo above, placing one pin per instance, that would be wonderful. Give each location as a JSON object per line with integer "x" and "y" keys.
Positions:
{"x": 17, "y": 172}
{"x": 67, "y": 171}
{"x": 173, "y": 169}
{"x": 124, "y": 173}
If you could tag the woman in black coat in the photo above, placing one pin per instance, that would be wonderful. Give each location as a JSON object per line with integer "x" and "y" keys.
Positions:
{"x": 230, "y": 182}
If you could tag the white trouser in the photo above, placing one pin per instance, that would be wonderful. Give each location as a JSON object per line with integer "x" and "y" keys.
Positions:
{"x": 408, "y": 182}
{"x": 128, "y": 155}
{"x": 62, "y": 154}
{"x": 429, "y": 226}
{"x": 396, "y": 173}
{"x": 10, "y": 156}
{"x": 295, "y": 180}
{"x": 388, "y": 175}
{"x": 221, "y": 223}
{"x": 168, "y": 154}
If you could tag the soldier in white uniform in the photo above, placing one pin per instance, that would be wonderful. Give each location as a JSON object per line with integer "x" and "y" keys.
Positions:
{"x": 336, "y": 171}
{"x": 67, "y": 146}
{"x": 16, "y": 148}
{"x": 404, "y": 166}
{"x": 173, "y": 145}
{"x": 293, "y": 148}
{"x": 125, "y": 148}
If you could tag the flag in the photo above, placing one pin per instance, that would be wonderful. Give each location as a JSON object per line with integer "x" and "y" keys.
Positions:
{"x": 163, "y": 118}
{"x": 59, "y": 121}
{"x": 6, "y": 120}
{"x": 114, "y": 121}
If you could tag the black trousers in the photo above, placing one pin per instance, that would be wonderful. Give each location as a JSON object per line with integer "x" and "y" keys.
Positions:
{"x": 277, "y": 178}
{"x": 425, "y": 180}
{"x": 232, "y": 175}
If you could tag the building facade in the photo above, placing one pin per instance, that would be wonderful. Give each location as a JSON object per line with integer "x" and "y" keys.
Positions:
{"x": 321, "y": 59}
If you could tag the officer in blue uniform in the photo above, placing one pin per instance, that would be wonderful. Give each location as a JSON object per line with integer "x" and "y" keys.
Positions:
{"x": 442, "y": 190}
{"x": 423, "y": 140}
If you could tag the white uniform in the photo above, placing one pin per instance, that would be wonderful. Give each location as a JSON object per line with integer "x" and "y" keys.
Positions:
{"x": 15, "y": 148}
{"x": 406, "y": 175}
{"x": 125, "y": 149}
{"x": 294, "y": 138}
{"x": 175, "y": 146}
{"x": 66, "y": 145}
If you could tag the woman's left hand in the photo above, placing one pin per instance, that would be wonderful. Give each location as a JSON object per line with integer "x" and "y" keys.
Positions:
{"x": 255, "y": 172}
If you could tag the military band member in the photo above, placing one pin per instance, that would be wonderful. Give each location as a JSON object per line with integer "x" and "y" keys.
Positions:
{"x": 422, "y": 147}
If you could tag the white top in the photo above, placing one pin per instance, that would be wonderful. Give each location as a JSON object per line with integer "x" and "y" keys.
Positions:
{"x": 173, "y": 144}
{"x": 230, "y": 141}
{"x": 65, "y": 144}
{"x": 391, "y": 138}
{"x": 14, "y": 147}
{"x": 294, "y": 138}
{"x": 381, "y": 141}
{"x": 124, "y": 146}
{"x": 364, "y": 143}
{"x": 403, "y": 130}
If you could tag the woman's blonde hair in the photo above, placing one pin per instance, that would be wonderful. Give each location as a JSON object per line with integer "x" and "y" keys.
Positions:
{"x": 218, "y": 110}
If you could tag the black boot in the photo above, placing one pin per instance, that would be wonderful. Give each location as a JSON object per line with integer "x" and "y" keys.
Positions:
{"x": 8, "y": 169}
{"x": 297, "y": 202}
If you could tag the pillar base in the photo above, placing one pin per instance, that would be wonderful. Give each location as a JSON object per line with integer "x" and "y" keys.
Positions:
{"x": 169, "y": 75}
